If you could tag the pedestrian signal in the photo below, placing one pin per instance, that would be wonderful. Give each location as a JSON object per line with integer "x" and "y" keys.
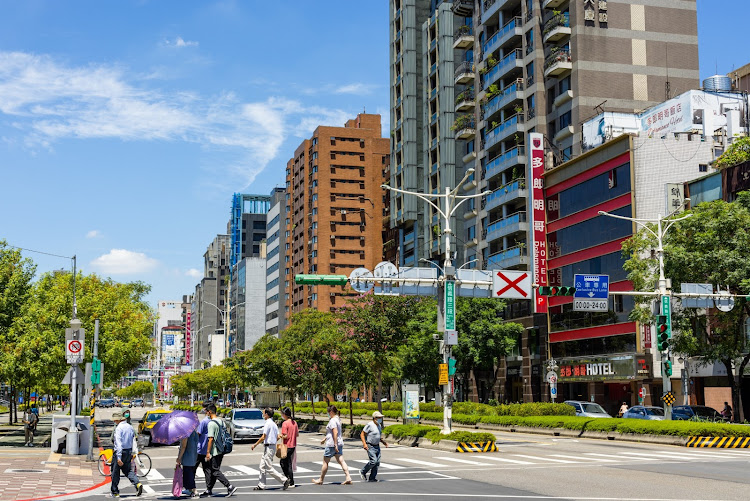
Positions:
{"x": 451, "y": 366}
{"x": 668, "y": 368}
{"x": 662, "y": 332}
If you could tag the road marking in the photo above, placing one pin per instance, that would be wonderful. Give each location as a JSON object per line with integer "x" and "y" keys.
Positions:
{"x": 331, "y": 464}
{"x": 587, "y": 459}
{"x": 382, "y": 465}
{"x": 423, "y": 463}
{"x": 516, "y": 461}
{"x": 300, "y": 469}
{"x": 457, "y": 460}
{"x": 689, "y": 455}
{"x": 155, "y": 475}
{"x": 617, "y": 456}
{"x": 544, "y": 458}
{"x": 245, "y": 469}
{"x": 148, "y": 489}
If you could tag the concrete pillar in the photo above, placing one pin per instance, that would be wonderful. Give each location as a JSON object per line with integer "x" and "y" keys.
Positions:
{"x": 528, "y": 394}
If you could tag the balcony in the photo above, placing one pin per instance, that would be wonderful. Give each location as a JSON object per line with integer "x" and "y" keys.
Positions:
{"x": 557, "y": 28}
{"x": 463, "y": 38}
{"x": 499, "y": 70}
{"x": 504, "y": 161}
{"x": 508, "y": 258}
{"x": 463, "y": 8}
{"x": 464, "y": 127}
{"x": 465, "y": 100}
{"x": 551, "y": 4}
{"x": 511, "y": 126}
{"x": 504, "y": 194}
{"x": 563, "y": 98}
{"x": 464, "y": 73}
{"x": 434, "y": 168}
{"x": 512, "y": 224}
{"x": 490, "y": 8}
{"x": 398, "y": 102}
{"x": 503, "y": 98}
{"x": 564, "y": 133}
{"x": 512, "y": 29}
{"x": 557, "y": 63}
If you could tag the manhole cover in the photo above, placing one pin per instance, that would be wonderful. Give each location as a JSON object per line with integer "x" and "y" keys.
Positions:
{"x": 25, "y": 471}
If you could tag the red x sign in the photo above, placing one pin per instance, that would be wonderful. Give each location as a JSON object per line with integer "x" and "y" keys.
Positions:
{"x": 511, "y": 285}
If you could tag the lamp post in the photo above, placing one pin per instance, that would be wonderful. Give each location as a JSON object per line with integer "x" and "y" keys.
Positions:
{"x": 664, "y": 289}
{"x": 451, "y": 202}
{"x": 223, "y": 314}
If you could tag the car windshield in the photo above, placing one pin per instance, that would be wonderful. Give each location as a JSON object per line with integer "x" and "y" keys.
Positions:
{"x": 593, "y": 408}
{"x": 248, "y": 415}
{"x": 155, "y": 417}
{"x": 654, "y": 411}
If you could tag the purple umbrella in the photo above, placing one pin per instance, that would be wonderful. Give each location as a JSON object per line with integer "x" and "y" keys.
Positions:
{"x": 174, "y": 426}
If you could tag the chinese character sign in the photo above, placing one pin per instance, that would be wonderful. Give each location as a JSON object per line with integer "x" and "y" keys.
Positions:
{"x": 539, "y": 232}
{"x": 187, "y": 338}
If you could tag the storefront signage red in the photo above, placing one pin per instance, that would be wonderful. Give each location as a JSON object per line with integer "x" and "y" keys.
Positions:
{"x": 612, "y": 368}
{"x": 538, "y": 217}
{"x": 187, "y": 338}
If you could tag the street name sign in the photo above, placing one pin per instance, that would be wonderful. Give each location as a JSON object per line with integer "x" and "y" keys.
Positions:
{"x": 592, "y": 293}
{"x": 511, "y": 284}
{"x": 450, "y": 305}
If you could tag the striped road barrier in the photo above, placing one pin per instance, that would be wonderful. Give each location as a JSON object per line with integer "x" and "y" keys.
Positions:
{"x": 476, "y": 447}
{"x": 720, "y": 442}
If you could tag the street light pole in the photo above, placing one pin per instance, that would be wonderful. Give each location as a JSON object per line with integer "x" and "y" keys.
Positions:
{"x": 664, "y": 290}
{"x": 450, "y": 205}
{"x": 224, "y": 314}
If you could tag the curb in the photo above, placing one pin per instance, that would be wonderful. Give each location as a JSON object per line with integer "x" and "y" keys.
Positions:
{"x": 476, "y": 447}
{"x": 719, "y": 442}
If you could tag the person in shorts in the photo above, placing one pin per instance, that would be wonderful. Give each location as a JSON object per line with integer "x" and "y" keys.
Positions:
{"x": 334, "y": 443}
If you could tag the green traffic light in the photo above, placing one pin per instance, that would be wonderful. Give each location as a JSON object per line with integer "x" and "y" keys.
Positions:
{"x": 668, "y": 368}
{"x": 451, "y": 366}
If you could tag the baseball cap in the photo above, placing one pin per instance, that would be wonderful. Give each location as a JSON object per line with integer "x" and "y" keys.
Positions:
{"x": 377, "y": 414}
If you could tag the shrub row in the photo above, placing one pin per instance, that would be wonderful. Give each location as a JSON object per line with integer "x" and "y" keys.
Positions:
{"x": 371, "y": 406}
{"x": 197, "y": 408}
{"x": 433, "y": 434}
{"x": 528, "y": 409}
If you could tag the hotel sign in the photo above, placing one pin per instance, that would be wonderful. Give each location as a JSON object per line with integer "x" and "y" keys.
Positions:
{"x": 613, "y": 368}
{"x": 539, "y": 232}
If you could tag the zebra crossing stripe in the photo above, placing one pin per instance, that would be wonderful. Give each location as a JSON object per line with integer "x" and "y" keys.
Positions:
{"x": 506, "y": 460}
{"x": 384, "y": 466}
{"x": 332, "y": 464}
{"x": 540, "y": 458}
{"x": 245, "y": 469}
{"x": 617, "y": 456}
{"x": 464, "y": 461}
{"x": 300, "y": 469}
{"x": 154, "y": 475}
{"x": 423, "y": 463}
{"x": 148, "y": 489}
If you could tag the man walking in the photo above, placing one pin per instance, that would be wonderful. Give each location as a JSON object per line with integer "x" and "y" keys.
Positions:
{"x": 123, "y": 455}
{"x": 371, "y": 440}
{"x": 30, "y": 420}
{"x": 214, "y": 457}
{"x": 269, "y": 439}
{"x": 203, "y": 445}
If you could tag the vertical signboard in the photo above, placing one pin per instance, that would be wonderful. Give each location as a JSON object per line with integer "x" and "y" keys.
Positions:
{"x": 450, "y": 305}
{"x": 539, "y": 232}
{"x": 187, "y": 339}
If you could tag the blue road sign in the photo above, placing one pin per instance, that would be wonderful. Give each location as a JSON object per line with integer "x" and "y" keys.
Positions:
{"x": 592, "y": 286}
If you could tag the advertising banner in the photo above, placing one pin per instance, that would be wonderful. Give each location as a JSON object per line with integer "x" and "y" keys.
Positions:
{"x": 187, "y": 338}
{"x": 613, "y": 368}
{"x": 539, "y": 232}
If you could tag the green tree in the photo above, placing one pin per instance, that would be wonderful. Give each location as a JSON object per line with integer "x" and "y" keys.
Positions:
{"x": 737, "y": 153}
{"x": 136, "y": 390}
{"x": 418, "y": 357}
{"x": 712, "y": 246}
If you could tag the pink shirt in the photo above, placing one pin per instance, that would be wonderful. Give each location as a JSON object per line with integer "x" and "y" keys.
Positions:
{"x": 290, "y": 429}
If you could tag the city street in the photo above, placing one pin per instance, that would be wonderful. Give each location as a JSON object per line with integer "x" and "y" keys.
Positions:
{"x": 526, "y": 467}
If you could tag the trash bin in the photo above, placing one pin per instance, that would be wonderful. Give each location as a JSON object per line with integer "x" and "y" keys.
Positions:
{"x": 60, "y": 426}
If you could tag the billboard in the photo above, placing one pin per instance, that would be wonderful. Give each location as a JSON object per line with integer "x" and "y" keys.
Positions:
{"x": 539, "y": 221}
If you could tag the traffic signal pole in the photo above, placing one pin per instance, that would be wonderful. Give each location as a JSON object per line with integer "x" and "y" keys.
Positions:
{"x": 92, "y": 406}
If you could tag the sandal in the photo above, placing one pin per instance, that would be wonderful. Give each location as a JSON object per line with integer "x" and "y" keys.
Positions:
{"x": 258, "y": 488}
{"x": 347, "y": 482}
{"x": 317, "y": 481}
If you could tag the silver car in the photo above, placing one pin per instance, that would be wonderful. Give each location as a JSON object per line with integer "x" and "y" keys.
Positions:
{"x": 648, "y": 412}
{"x": 588, "y": 409}
{"x": 246, "y": 424}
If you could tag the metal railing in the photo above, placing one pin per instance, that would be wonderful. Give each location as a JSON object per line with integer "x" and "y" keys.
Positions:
{"x": 560, "y": 56}
{"x": 465, "y": 67}
{"x": 463, "y": 31}
{"x": 511, "y": 58}
{"x": 509, "y": 26}
{"x": 516, "y": 218}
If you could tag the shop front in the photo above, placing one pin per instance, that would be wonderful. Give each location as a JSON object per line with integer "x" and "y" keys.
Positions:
{"x": 608, "y": 380}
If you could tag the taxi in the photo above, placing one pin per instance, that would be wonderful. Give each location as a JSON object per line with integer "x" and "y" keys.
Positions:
{"x": 125, "y": 403}
{"x": 148, "y": 421}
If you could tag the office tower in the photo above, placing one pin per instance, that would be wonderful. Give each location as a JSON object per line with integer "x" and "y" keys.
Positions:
{"x": 276, "y": 260}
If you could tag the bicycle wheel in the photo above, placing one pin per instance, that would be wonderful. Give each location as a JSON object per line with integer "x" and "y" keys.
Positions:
{"x": 142, "y": 464}
{"x": 105, "y": 468}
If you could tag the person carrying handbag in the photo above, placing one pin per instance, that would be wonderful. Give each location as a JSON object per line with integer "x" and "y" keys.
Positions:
{"x": 269, "y": 439}
{"x": 289, "y": 434}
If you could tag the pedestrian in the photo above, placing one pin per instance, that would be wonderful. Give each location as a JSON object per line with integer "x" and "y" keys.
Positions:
{"x": 269, "y": 439}
{"x": 30, "y": 420}
{"x": 726, "y": 412}
{"x": 289, "y": 433}
{"x": 214, "y": 457}
{"x": 202, "y": 431}
{"x": 188, "y": 459}
{"x": 623, "y": 409}
{"x": 334, "y": 447}
{"x": 371, "y": 440}
{"x": 123, "y": 455}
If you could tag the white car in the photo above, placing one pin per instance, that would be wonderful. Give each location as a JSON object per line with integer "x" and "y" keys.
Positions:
{"x": 587, "y": 409}
{"x": 246, "y": 424}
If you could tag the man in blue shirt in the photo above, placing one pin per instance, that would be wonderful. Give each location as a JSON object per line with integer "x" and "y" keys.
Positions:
{"x": 203, "y": 446}
{"x": 123, "y": 455}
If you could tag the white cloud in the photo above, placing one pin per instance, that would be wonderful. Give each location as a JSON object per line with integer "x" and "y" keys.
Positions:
{"x": 49, "y": 101}
{"x": 193, "y": 273}
{"x": 180, "y": 42}
{"x": 93, "y": 234}
{"x": 124, "y": 262}
{"x": 358, "y": 88}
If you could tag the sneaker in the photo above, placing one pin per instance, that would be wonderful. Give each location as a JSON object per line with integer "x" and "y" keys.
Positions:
{"x": 113, "y": 495}
{"x": 373, "y": 480}
{"x": 231, "y": 490}
{"x": 286, "y": 484}
{"x": 138, "y": 489}
{"x": 205, "y": 494}
{"x": 362, "y": 475}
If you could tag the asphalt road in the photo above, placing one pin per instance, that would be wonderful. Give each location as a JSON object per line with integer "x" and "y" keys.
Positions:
{"x": 526, "y": 467}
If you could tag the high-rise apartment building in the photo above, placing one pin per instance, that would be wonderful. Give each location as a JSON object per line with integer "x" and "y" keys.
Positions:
{"x": 276, "y": 260}
{"x": 334, "y": 209}
{"x": 247, "y": 226}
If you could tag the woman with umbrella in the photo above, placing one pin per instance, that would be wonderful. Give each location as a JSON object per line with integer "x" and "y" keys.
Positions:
{"x": 180, "y": 426}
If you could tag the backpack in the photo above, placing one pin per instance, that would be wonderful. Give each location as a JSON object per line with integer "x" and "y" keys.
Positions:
{"x": 224, "y": 442}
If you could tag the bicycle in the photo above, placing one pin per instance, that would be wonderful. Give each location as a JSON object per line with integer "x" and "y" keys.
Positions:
{"x": 140, "y": 464}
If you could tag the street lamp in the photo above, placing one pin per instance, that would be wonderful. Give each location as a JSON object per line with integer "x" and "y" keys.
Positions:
{"x": 223, "y": 314}
{"x": 451, "y": 202}
{"x": 664, "y": 291}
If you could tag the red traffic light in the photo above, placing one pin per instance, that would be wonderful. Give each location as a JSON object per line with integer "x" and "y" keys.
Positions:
{"x": 662, "y": 328}
{"x": 553, "y": 291}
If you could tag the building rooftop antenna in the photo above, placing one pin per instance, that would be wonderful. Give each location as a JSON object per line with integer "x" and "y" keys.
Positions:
{"x": 667, "y": 85}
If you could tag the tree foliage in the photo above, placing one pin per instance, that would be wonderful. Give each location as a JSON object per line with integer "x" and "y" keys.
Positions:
{"x": 737, "y": 153}
{"x": 135, "y": 390}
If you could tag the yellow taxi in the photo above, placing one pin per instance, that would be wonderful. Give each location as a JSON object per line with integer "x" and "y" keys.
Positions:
{"x": 125, "y": 403}
{"x": 149, "y": 420}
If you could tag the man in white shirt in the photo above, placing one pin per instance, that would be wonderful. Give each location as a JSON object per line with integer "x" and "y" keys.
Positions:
{"x": 269, "y": 439}
{"x": 123, "y": 455}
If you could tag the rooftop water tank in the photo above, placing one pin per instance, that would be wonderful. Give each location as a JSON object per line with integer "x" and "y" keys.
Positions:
{"x": 717, "y": 83}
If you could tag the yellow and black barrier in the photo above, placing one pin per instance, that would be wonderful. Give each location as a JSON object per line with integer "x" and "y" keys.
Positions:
{"x": 476, "y": 447}
{"x": 720, "y": 442}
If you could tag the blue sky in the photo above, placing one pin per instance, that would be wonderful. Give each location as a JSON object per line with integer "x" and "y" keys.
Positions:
{"x": 126, "y": 126}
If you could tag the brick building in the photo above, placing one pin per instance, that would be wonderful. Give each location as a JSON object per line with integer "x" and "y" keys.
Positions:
{"x": 334, "y": 206}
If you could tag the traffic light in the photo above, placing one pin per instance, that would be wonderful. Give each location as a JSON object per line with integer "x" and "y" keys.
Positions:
{"x": 451, "y": 366}
{"x": 662, "y": 332}
{"x": 556, "y": 291}
{"x": 321, "y": 279}
{"x": 668, "y": 368}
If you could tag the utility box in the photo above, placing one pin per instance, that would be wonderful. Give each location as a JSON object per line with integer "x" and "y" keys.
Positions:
{"x": 60, "y": 425}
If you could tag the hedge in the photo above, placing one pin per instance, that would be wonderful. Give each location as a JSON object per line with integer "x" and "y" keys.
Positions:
{"x": 528, "y": 409}
{"x": 408, "y": 430}
{"x": 433, "y": 433}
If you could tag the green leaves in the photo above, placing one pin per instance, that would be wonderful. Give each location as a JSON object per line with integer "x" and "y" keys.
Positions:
{"x": 737, "y": 153}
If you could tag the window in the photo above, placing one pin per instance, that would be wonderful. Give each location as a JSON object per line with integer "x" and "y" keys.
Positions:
{"x": 588, "y": 193}
{"x": 565, "y": 119}
{"x": 703, "y": 168}
{"x": 471, "y": 232}
{"x": 259, "y": 225}
{"x": 564, "y": 85}
{"x": 595, "y": 231}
